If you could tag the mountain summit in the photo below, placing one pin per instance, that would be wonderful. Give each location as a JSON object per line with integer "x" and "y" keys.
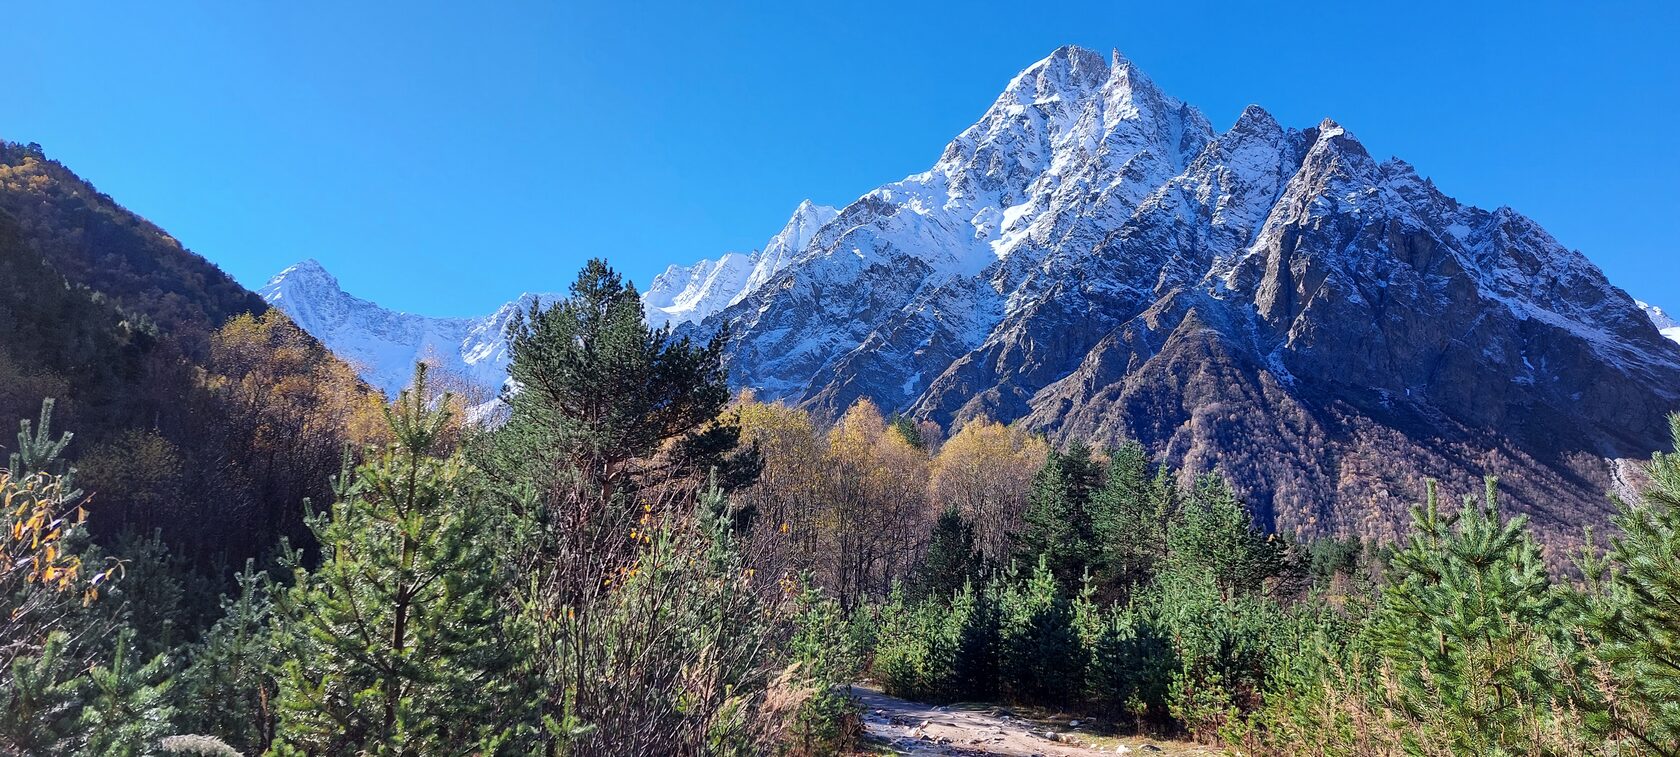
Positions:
{"x": 1093, "y": 259}
{"x": 1664, "y": 323}
{"x": 383, "y": 345}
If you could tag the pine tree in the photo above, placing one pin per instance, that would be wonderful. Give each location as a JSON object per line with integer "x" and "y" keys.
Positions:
{"x": 972, "y": 626}
{"x": 599, "y": 393}
{"x": 128, "y": 706}
{"x": 49, "y": 636}
{"x": 952, "y": 558}
{"x": 1467, "y": 623}
{"x": 395, "y": 643}
{"x": 1084, "y": 475}
{"x": 1131, "y": 661}
{"x": 906, "y": 428}
{"x": 828, "y": 660}
{"x": 40, "y": 700}
{"x": 644, "y": 624}
{"x": 1129, "y": 534}
{"x": 1058, "y": 525}
{"x": 1636, "y": 617}
{"x": 611, "y": 421}
{"x": 229, "y": 689}
{"x": 1040, "y": 657}
{"x": 1215, "y": 534}
{"x": 37, "y": 451}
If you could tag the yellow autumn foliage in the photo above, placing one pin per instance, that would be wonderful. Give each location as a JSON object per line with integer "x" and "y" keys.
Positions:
{"x": 39, "y": 512}
{"x": 985, "y": 472}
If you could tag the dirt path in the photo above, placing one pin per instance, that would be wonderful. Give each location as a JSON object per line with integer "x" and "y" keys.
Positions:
{"x": 897, "y": 726}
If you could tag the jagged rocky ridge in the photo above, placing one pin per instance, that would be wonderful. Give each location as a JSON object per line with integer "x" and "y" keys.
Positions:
{"x": 1093, "y": 259}
{"x": 385, "y": 344}
{"x": 684, "y": 294}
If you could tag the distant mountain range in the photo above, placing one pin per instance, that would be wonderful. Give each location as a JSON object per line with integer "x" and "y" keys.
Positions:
{"x": 1093, "y": 259}
{"x": 385, "y": 344}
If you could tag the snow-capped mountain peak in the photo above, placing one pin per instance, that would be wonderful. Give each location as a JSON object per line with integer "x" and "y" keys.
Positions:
{"x": 305, "y": 282}
{"x": 1091, "y": 259}
{"x": 383, "y": 345}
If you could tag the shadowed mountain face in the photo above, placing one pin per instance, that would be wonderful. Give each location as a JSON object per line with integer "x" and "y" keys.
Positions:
{"x": 1328, "y": 329}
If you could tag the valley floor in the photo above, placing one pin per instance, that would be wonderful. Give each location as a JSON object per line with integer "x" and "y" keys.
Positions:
{"x": 898, "y": 726}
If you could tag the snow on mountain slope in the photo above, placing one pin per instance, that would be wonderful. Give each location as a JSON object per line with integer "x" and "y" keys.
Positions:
{"x": 1664, "y": 323}
{"x": 693, "y": 292}
{"x": 383, "y": 345}
{"x": 1093, "y": 259}
{"x": 684, "y": 294}
{"x": 1081, "y": 197}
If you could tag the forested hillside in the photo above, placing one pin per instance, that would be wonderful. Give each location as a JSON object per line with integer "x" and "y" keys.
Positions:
{"x": 96, "y": 243}
{"x": 198, "y": 413}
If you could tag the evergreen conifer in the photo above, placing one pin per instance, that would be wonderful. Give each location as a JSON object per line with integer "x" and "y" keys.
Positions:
{"x": 1636, "y": 618}
{"x": 1465, "y": 623}
{"x": 395, "y": 643}
{"x": 952, "y": 560}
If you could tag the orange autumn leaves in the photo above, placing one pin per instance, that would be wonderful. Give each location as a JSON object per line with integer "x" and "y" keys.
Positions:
{"x": 287, "y": 384}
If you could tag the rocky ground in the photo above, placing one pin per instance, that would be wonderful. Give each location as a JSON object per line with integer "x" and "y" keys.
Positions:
{"x": 897, "y": 726}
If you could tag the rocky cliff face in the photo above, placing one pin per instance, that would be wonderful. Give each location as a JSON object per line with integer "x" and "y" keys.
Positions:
{"x": 1093, "y": 259}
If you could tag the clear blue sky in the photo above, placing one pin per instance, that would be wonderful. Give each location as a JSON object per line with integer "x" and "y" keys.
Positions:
{"x": 442, "y": 157}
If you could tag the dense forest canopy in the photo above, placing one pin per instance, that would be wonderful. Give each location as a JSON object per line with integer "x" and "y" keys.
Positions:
{"x": 98, "y": 244}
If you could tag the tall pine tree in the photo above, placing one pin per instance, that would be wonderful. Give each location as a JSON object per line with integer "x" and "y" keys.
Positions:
{"x": 952, "y": 558}
{"x": 1129, "y": 529}
{"x": 615, "y": 436}
{"x": 1635, "y": 619}
{"x": 610, "y": 403}
{"x": 395, "y": 643}
{"x": 1215, "y": 534}
{"x": 1058, "y": 525}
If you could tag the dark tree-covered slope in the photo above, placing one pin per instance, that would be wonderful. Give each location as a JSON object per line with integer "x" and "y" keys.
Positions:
{"x": 196, "y": 410}
{"x": 95, "y": 242}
